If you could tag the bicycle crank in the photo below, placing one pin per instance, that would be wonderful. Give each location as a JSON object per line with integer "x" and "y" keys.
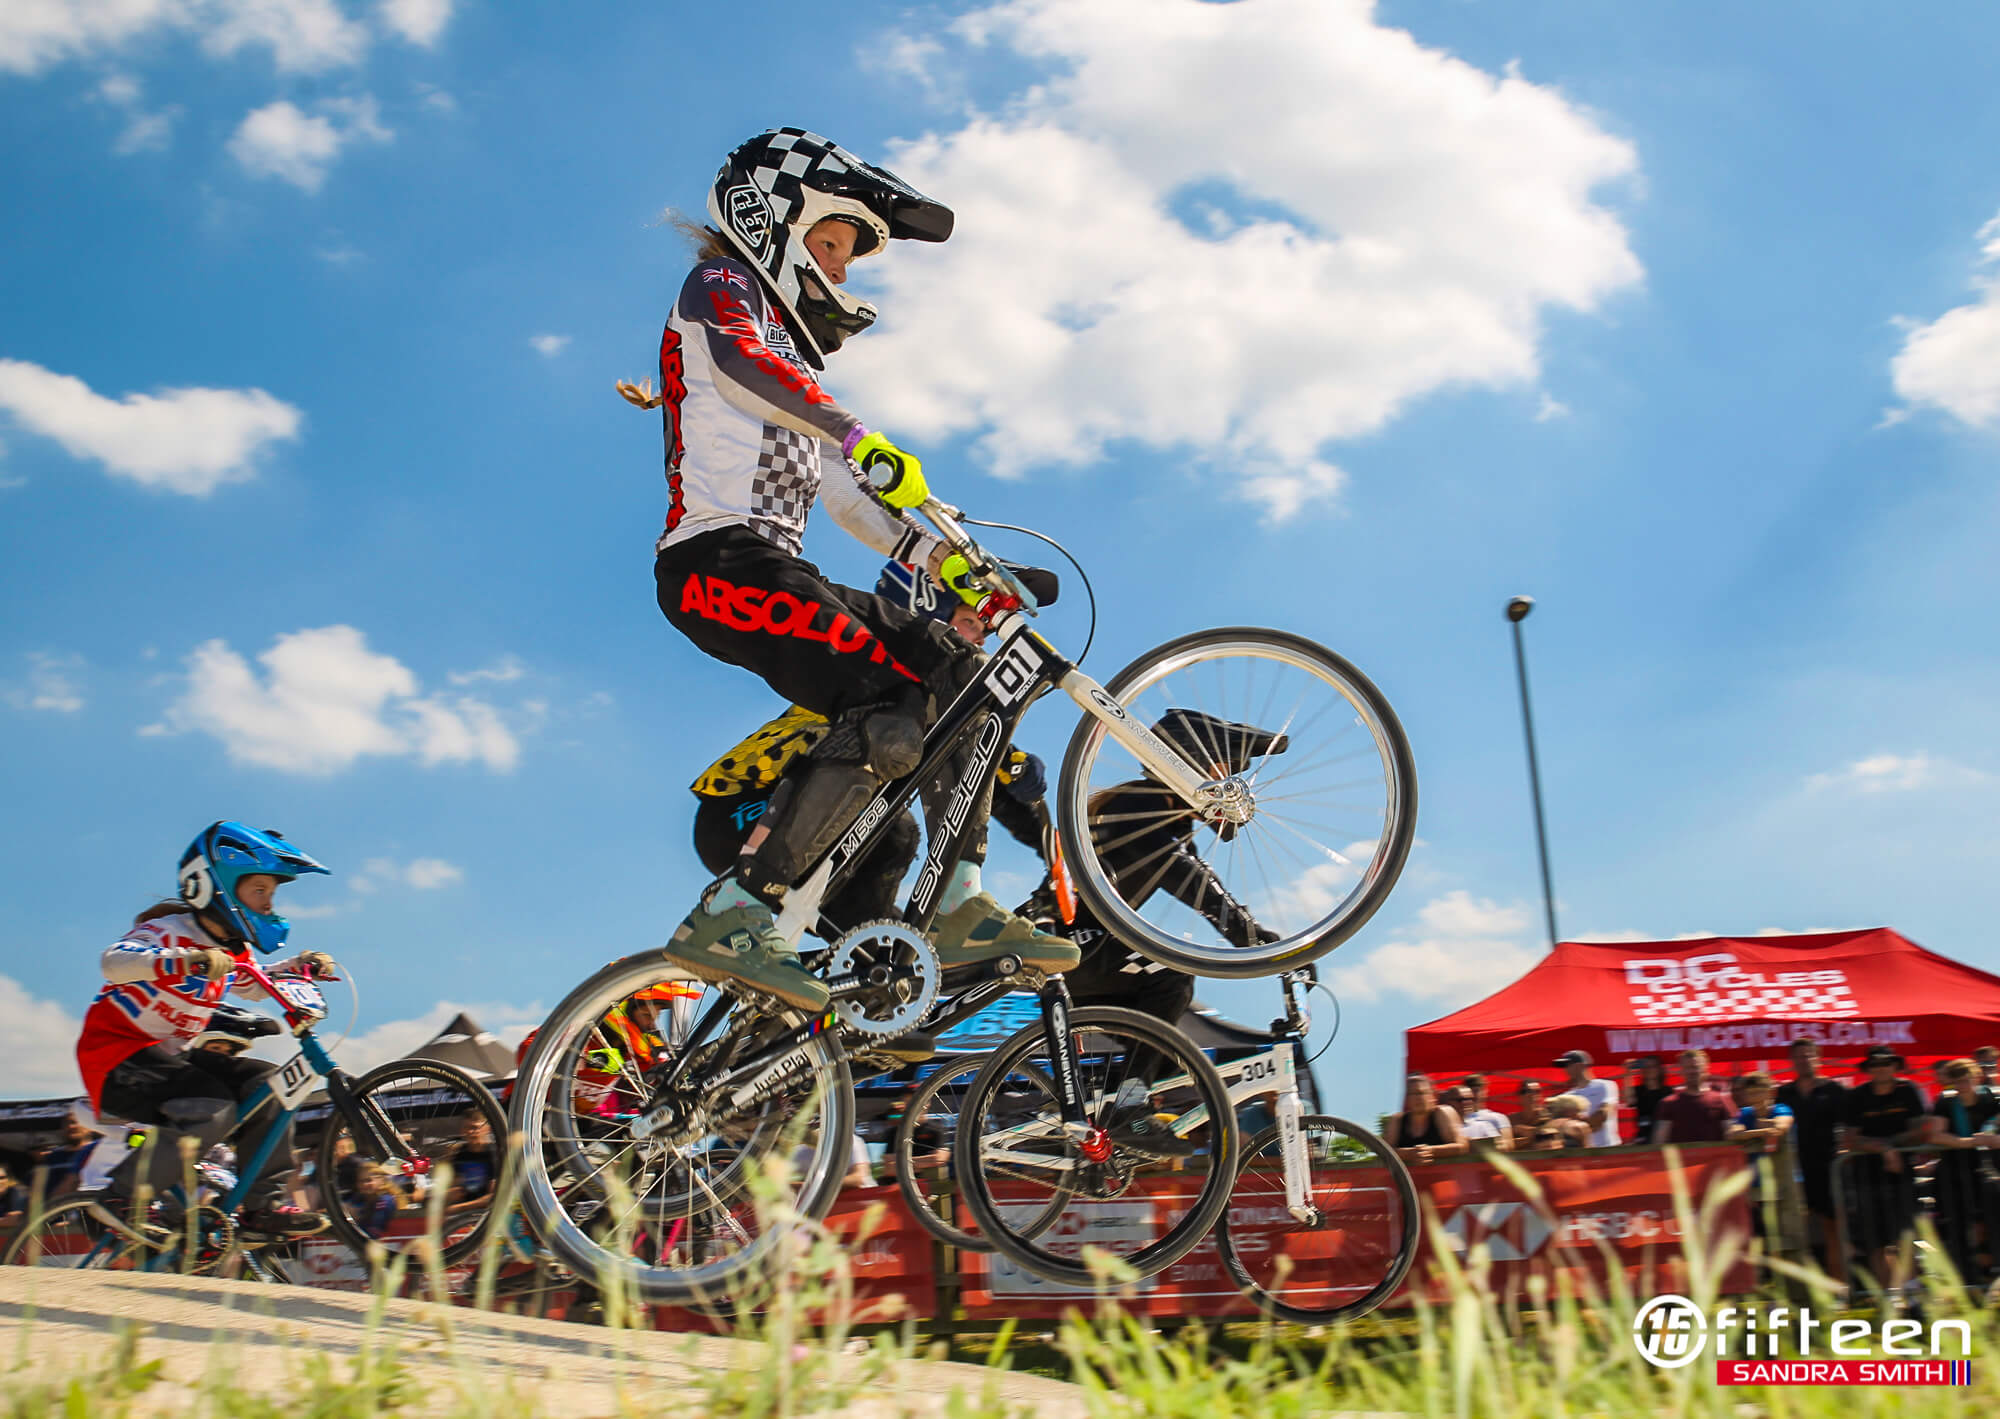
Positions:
{"x": 884, "y": 979}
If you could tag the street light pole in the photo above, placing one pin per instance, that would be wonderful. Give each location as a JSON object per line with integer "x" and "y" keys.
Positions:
{"x": 1517, "y": 612}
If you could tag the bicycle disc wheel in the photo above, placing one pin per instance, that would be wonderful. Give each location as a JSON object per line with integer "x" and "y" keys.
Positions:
{"x": 1314, "y": 815}
{"x": 687, "y": 1213}
{"x": 1355, "y": 1250}
{"x": 426, "y": 1108}
{"x": 1130, "y": 1182}
{"x": 923, "y": 1156}
{"x": 83, "y": 1235}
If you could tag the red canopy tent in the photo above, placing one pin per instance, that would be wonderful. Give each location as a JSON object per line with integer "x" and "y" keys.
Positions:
{"x": 1740, "y": 998}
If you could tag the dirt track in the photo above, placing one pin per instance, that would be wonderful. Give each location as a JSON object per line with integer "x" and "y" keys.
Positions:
{"x": 64, "y": 1323}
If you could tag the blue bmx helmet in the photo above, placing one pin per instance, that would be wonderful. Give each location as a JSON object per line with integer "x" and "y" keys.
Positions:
{"x": 910, "y": 590}
{"x": 220, "y": 857}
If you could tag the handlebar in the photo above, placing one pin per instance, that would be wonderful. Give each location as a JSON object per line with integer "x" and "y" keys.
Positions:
{"x": 294, "y": 1017}
{"x": 986, "y": 569}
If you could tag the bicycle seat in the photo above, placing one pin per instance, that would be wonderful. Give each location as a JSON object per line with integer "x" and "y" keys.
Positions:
{"x": 192, "y": 1113}
{"x": 244, "y": 1022}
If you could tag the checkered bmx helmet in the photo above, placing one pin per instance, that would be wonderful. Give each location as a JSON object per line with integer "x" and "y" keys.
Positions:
{"x": 774, "y": 188}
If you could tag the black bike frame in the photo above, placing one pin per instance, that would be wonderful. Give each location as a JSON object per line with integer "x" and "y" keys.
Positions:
{"x": 1006, "y": 685}
{"x": 1011, "y": 680}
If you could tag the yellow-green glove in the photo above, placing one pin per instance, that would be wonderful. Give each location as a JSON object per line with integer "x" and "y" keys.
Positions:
{"x": 956, "y": 575}
{"x": 897, "y": 477}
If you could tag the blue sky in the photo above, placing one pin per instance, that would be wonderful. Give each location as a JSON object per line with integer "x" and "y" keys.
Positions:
{"x": 317, "y": 508}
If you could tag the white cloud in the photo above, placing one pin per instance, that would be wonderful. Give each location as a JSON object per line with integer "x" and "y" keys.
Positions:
{"x": 183, "y": 440}
{"x": 397, "y": 1038}
{"x": 1953, "y": 363}
{"x": 1895, "y": 773}
{"x": 301, "y": 35}
{"x": 144, "y": 131}
{"x": 1460, "y": 949}
{"x": 282, "y": 141}
{"x": 38, "y": 33}
{"x": 424, "y": 874}
{"x": 1368, "y": 221}
{"x": 37, "y": 1044}
{"x": 418, "y": 21}
{"x": 51, "y": 684}
{"x": 324, "y": 701}
{"x": 549, "y": 346}
{"x": 429, "y": 873}
{"x": 1549, "y": 408}
{"x": 506, "y": 669}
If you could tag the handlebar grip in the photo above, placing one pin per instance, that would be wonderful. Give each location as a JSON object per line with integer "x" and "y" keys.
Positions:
{"x": 882, "y": 471}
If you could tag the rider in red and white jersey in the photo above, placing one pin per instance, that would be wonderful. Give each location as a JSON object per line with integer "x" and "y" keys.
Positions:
{"x": 752, "y": 442}
{"x": 164, "y": 981}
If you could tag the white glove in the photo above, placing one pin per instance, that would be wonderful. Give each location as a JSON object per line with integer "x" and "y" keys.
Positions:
{"x": 313, "y": 965}
{"x": 210, "y": 961}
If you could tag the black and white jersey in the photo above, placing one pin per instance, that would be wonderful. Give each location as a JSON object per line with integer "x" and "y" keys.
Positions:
{"x": 747, "y": 425}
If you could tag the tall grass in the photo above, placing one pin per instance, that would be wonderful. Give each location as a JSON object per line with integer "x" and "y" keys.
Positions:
{"x": 1559, "y": 1350}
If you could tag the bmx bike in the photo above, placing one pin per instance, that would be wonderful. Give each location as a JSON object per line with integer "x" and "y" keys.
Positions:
{"x": 666, "y": 1195}
{"x": 397, "y": 1116}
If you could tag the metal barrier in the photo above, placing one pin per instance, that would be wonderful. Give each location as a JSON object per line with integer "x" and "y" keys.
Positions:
{"x": 1877, "y": 1204}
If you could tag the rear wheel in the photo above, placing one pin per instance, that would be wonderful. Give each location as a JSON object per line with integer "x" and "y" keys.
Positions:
{"x": 409, "y": 1115}
{"x": 1307, "y": 831}
{"x": 1159, "y": 1135}
{"x": 1354, "y": 1249}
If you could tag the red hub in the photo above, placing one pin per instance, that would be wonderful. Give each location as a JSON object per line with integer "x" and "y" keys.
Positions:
{"x": 1096, "y": 1145}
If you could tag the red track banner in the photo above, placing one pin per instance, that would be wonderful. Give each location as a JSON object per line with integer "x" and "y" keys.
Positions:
{"x": 888, "y": 1253}
{"x": 1597, "y": 1210}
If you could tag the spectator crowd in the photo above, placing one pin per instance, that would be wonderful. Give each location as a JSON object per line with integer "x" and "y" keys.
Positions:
{"x": 1892, "y": 1142}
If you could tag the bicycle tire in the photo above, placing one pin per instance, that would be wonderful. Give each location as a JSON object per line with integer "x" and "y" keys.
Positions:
{"x": 978, "y": 1168}
{"x": 909, "y": 1177}
{"x": 572, "y": 1239}
{"x": 1340, "y": 1303}
{"x": 60, "y": 1229}
{"x": 1396, "y": 830}
{"x": 464, "y": 1238}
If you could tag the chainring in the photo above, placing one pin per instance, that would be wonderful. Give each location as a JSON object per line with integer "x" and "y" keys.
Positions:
{"x": 215, "y": 1234}
{"x": 895, "y": 1007}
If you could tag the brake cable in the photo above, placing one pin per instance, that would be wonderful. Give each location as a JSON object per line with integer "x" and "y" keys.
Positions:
{"x": 1085, "y": 576}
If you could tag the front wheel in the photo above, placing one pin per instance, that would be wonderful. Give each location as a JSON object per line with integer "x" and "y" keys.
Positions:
{"x": 685, "y": 1192}
{"x": 1357, "y": 1240}
{"x": 1313, "y": 810}
{"x": 1145, "y": 1174}
{"x": 84, "y": 1234}
{"x": 376, "y": 1155}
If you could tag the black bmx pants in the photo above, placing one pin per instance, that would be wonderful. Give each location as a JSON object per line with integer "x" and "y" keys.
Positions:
{"x": 139, "y": 1089}
{"x": 828, "y": 648}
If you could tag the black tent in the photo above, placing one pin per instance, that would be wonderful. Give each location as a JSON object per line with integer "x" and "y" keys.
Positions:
{"x": 470, "y": 1046}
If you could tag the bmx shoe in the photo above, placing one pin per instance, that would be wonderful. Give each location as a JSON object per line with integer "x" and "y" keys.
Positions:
{"x": 1144, "y": 1131}
{"x": 982, "y": 930}
{"x": 742, "y": 944}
